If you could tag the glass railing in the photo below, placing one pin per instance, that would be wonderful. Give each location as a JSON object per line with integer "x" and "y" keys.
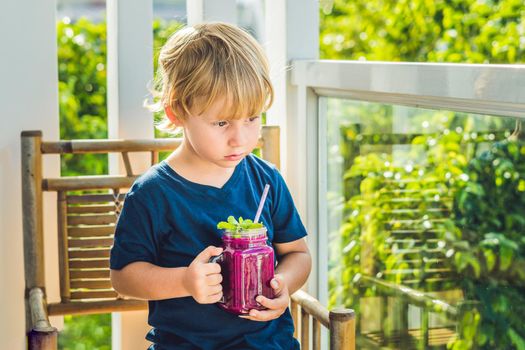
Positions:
{"x": 421, "y": 210}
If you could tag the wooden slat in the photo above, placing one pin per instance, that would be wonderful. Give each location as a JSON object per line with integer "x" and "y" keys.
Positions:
{"x": 79, "y": 274}
{"x": 154, "y": 157}
{"x": 96, "y": 307}
{"x": 316, "y": 335}
{"x": 95, "y": 231}
{"x": 63, "y": 255}
{"x": 89, "y": 264}
{"x": 32, "y": 209}
{"x": 94, "y": 198}
{"x": 87, "y": 182}
{"x": 127, "y": 163}
{"x": 295, "y": 317}
{"x": 94, "y": 295}
{"x": 91, "y": 209}
{"x": 90, "y": 243}
{"x": 108, "y": 146}
{"x": 305, "y": 330}
{"x": 270, "y": 144}
{"x": 91, "y": 284}
{"x": 100, "y": 219}
{"x": 89, "y": 253}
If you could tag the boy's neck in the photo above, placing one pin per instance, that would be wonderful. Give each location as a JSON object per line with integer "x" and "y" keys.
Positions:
{"x": 188, "y": 165}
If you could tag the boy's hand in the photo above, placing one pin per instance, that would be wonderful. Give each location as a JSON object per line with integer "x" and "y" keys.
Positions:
{"x": 203, "y": 279}
{"x": 276, "y": 306}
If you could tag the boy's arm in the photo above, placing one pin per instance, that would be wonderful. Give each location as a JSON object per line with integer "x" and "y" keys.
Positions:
{"x": 143, "y": 280}
{"x": 295, "y": 263}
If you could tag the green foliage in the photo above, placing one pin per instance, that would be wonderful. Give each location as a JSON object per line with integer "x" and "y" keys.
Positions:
{"x": 237, "y": 226}
{"x": 468, "y": 31}
{"x": 82, "y": 91}
{"x": 490, "y": 246}
{"x": 86, "y": 333}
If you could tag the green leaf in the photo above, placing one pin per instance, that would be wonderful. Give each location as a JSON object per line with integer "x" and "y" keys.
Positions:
{"x": 505, "y": 257}
{"x": 490, "y": 259}
{"x": 232, "y": 220}
{"x": 516, "y": 339}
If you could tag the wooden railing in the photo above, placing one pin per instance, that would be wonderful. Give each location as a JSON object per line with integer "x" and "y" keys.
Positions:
{"x": 308, "y": 313}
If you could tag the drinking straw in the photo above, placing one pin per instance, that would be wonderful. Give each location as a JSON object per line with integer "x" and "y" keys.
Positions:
{"x": 261, "y": 203}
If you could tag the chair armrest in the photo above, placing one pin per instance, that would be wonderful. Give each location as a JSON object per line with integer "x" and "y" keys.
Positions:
{"x": 312, "y": 306}
{"x": 38, "y": 309}
{"x": 340, "y": 322}
{"x": 42, "y": 336}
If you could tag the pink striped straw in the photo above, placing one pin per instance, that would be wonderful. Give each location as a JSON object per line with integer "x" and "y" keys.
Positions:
{"x": 261, "y": 203}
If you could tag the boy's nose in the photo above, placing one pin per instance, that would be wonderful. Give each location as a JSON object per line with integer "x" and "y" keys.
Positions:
{"x": 237, "y": 137}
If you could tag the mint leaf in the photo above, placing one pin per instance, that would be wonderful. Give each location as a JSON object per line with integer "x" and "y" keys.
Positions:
{"x": 236, "y": 226}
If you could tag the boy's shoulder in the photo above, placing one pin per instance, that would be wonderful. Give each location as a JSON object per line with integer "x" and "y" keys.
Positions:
{"x": 255, "y": 163}
{"x": 151, "y": 181}
{"x": 262, "y": 169}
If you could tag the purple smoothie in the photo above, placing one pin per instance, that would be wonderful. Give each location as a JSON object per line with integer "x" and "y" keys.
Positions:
{"x": 247, "y": 265}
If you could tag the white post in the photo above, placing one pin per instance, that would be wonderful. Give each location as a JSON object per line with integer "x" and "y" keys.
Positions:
{"x": 130, "y": 70}
{"x": 292, "y": 32}
{"x": 28, "y": 101}
{"x": 211, "y": 10}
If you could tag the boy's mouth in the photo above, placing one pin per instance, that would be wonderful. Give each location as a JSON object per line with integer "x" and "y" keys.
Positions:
{"x": 234, "y": 157}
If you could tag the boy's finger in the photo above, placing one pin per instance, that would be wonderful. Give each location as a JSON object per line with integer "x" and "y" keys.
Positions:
{"x": 213, "y": 290}
{"x": 211, "y": 269}
{"x": 277, "y": 284}
{"x": 207, "y": 253}
{"x": 264, "y": 315}
{"x": 213, "y": 279}
{"x": 270, "y": 303}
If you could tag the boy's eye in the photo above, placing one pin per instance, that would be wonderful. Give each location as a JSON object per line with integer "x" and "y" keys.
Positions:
{"x": 252, "y": 119}
{"x": 221, "y": 123}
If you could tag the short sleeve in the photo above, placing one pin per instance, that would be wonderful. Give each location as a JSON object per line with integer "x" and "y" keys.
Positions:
{"x": 287, "y": 224}
{"x": 135, "y": 238}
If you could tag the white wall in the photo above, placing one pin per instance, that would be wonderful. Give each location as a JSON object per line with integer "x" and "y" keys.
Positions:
{"x": 28, "y": 101}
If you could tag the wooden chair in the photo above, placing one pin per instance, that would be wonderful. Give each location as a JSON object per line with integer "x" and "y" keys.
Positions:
{"x": 87, "y": 210}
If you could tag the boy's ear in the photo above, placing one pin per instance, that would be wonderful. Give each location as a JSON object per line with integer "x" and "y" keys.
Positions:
{"x": 171, "y": 116}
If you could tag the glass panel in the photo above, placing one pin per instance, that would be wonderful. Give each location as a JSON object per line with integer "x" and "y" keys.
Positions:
{"x": 425, "y": 221}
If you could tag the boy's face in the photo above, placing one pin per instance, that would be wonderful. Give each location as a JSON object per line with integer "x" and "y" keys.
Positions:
{"x": 215, "y": 138}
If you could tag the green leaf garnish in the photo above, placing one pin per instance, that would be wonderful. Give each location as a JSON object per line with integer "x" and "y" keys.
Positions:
{"x": 237, "y": 226}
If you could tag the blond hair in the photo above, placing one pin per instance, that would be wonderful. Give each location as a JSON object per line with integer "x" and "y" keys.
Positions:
{"x": 200, "y": 64}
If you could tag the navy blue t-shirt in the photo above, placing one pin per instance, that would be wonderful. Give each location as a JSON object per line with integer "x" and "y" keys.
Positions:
{"x": 167, "y": 221}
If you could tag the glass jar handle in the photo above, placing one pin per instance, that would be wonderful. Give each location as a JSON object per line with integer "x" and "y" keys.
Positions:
{"x": 218, "y": 259}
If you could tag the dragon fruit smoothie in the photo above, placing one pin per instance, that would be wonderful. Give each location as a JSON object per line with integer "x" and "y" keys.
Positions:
{"x": 247, "y": 267}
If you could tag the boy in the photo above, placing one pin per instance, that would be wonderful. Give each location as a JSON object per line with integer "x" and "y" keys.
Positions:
{"x": 214, "y": 86}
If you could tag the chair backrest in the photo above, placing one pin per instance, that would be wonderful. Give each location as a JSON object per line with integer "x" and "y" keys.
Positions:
{"x": 87, "y": 210}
